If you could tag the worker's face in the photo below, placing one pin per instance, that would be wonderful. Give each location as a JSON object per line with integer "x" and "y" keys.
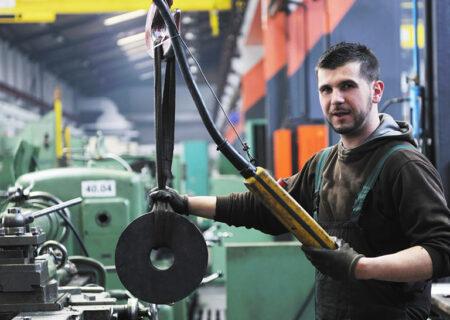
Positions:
{"x": 348, "y": 101}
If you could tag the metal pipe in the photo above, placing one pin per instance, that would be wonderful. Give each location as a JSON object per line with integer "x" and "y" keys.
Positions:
{"x": 414, "y": 90}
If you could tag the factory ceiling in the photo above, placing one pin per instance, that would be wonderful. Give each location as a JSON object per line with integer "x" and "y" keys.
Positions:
{"x": 96, "y": 56}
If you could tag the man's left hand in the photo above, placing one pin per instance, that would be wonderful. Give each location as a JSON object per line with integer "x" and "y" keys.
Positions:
{"x": 339, "y": 264}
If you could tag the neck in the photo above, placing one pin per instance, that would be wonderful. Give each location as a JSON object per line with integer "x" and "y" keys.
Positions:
{"x": 356, "y": 139}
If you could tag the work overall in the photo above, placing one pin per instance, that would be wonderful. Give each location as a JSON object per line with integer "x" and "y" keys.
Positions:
{"x": 358, "y": 299}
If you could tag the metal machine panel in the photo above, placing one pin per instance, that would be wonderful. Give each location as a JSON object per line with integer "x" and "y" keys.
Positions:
{"x": 102, "y": 220}
{"x": 223, "y": 185}
{"x": 269, "y": 281}
{"x": 197, "y": 172}
{"x": 66, "y": 183}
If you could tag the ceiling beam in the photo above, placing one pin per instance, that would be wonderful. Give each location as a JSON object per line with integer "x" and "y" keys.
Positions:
{"x": 89, "y": 79}
{"x": 105, "y": 87}
{"x": 90, "y": 40}
{"x": 34, "y": 36}
{"x": 109, "y": 70}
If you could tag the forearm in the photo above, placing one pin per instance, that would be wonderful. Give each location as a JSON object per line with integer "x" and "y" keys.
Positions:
{"x": 413, "y": 264}
{"x": 204, "y": 206}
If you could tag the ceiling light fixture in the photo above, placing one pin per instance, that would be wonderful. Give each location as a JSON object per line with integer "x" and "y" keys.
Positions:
{"x": 133, "y": 45}
{"x": 137, "y": 56}
{"x": 124, "y": 17}
{"x": 130, "y": 39}
{"x": 135, "y": 50}
{"x": 193, "y": 69}
{"x": 146, "y": 76}
{"x": 187, "y": 20}
{"x": 189, "y": 36}
{"x": 143, "y": 65}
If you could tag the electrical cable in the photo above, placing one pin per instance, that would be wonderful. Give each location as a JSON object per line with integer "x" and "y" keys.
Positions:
{"x": 392, "y": 101}
{"x": 244, "y": 144}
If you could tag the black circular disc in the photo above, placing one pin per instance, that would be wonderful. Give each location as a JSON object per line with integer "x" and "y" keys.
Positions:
{"x": 161, "y": 230}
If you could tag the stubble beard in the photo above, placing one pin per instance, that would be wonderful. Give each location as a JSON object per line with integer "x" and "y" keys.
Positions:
{"x": 359, "y": 119}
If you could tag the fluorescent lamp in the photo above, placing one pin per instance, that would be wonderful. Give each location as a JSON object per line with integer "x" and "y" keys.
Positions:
{"x": 193, "y": 69}
{"x": 130, "y": 39}
{"x": 189, "y": 36}
{"x": 124, "y": 17}
{"x": 186, "y": 20}
{"x": 136, "y": 50}
{"x": 132, "y": 45}
{"x": 143, "y": 65}
{"x": 146, "y": 76}
{"x": 137, "y": 56}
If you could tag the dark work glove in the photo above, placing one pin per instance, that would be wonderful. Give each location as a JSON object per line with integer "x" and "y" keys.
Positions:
{"x": 179, "y": 203}
{"x": 339, "y": 264}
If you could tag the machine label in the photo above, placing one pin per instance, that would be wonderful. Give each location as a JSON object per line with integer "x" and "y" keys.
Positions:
{"x": 98, "y": 188}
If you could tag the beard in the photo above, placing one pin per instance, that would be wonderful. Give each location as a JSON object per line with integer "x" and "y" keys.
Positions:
{"x": 354, "y": 127}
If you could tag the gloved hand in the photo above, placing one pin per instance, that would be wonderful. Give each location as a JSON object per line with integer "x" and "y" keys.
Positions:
{"x": 339, "y": 264}
{"x": 179, "y": 203}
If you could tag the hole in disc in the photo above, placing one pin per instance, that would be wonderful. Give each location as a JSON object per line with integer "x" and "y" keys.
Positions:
{"x": 162, "y": 258}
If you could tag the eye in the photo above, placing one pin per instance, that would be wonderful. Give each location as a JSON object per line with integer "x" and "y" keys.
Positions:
{"x": 347, "y": 85}
{"x": 325, "y": 90}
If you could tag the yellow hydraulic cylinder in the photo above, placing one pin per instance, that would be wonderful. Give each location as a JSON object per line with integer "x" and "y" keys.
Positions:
{"x": 288, "y": 211}
{"x": 57, "y": 107}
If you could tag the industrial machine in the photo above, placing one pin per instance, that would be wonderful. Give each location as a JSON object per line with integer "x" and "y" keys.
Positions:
{"x": 85, "y": 284}
{"x": 112, "y": 198}
{"x": 39, "y": 280}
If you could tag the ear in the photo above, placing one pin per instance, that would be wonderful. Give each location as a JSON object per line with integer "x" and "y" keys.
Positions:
{"x": 377, "y": 91}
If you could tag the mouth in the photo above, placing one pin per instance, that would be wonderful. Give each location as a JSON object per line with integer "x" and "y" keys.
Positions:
{"x": 340, "y": 113}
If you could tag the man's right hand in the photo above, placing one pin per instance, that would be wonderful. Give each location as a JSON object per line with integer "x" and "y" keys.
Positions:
{"x": 179, "y": 203}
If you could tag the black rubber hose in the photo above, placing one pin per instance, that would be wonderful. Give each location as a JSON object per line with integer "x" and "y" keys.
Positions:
{"x": 49, "y": 197}
{"x": 245, "y": 167}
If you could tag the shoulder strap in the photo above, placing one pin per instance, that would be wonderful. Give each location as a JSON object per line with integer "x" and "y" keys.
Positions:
{"x": 370, "y": 182}
{"x": 323, "y": 156}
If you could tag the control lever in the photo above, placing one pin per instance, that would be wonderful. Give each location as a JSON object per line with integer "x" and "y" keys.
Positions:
{"x": 54, "y": 208}
{"x": 14, "y": 217}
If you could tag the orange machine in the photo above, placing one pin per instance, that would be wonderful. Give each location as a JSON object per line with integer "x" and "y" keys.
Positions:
{"x": 311, "y": 138}
{"x": 282, "y": 148}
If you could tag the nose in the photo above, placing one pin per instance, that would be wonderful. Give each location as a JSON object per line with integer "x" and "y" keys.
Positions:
{"x": 337, "y": 97}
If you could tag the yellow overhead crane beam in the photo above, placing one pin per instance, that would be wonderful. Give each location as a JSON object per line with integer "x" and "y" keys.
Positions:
{"x": 45, "y": 11}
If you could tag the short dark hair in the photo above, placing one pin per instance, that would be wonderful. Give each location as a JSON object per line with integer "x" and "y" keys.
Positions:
{"x": 344, "y": 52}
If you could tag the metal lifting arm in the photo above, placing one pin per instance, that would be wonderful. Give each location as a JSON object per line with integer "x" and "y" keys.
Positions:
{"x": 257, "y": 180}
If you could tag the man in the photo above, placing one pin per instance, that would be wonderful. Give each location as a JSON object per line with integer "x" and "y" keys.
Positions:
{"x": 373, "y": 191}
